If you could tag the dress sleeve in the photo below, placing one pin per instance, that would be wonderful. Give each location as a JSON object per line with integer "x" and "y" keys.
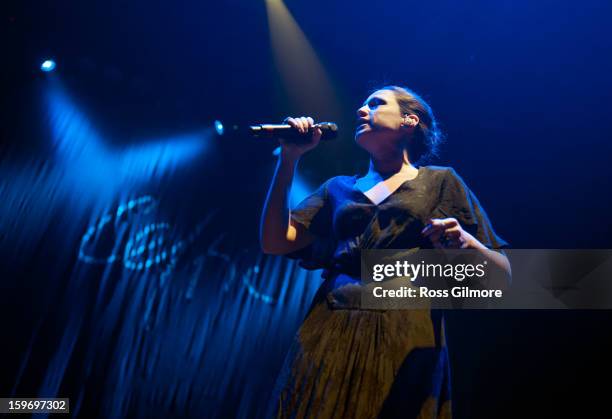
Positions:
{"x": 458, "y": 201}
{"x": 315, "y": 213}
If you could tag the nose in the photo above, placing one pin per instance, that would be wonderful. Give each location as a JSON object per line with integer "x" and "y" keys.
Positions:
{"x": 362, "y": 112}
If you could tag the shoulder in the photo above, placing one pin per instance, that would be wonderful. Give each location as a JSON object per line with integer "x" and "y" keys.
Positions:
{"x": 335, "y": 186}
{"x": 440, "y": 173}
{"x": 339, "y": 182}
{"x": 446, "y": 178}
{"x": 439, "y": 170}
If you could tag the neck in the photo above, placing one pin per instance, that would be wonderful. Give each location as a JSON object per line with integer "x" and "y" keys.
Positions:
{"x": 389, "y": 165}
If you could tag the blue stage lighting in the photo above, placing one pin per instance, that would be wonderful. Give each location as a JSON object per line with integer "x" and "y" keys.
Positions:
{"x": 92, "y": 165}
{"x": 47, "y": 65}
{"x": 219, "y": 127}
{"x": 299, "y": 190}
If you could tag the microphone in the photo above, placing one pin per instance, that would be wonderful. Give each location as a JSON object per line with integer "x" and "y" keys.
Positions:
{"x": 287, "y": 132}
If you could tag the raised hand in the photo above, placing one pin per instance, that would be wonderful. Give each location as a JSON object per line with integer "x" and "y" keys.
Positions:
{"x": 303, "y": 125}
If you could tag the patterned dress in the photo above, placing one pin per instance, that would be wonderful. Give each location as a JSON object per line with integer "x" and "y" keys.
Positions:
{"x": 349, "y": 362}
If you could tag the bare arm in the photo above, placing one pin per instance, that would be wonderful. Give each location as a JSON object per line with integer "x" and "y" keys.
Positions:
{"x": 502, "y": 279}
{"x": 278, "y": 234}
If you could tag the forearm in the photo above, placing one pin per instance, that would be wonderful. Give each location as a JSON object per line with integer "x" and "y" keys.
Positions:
{"x": 275, "y": 215}
{"x": 501, "y": 276}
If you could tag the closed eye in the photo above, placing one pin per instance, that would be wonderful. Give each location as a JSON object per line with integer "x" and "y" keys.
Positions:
{"x": 375, "y": 101}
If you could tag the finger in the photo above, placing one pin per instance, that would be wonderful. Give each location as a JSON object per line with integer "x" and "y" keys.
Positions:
{"x": 299, "y": 125}
{"x": 446, "y": 222}
{"x": 453, "y": 234}
{"x": 450, "y": 222}
{"x": 305, "y": 123}
{"x": 436, "y": 223}
{"x": 294, "y": 122}
{"x": 310, "y": 121}
{"x": 454, "y": 238}
{"x": 291, "y": 121}
{"x": 453, "y": 229}
{"x": 435, "y": 237}
{"x": 439, "y": 223}
{"x": 432, "y": 229}
{"x": 317, "y": 134}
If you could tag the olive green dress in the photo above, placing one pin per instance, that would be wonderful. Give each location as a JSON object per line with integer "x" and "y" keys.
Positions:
{"x": 349, "y": 362}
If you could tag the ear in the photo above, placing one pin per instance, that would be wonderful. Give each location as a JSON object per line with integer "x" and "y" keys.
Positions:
{"x": 410, "y": 120}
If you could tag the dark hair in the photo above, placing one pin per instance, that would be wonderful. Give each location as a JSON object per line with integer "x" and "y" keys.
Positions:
{"x": 427, "y": 137}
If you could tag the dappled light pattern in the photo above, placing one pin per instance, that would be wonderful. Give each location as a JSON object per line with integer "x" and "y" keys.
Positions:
{"x": 203, "y": 335}
{"x": 131, "y": 299}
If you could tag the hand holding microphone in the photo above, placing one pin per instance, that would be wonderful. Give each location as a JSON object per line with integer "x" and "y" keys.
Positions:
{"x": 304, "y": 125}
{"x": 298, "y": 135}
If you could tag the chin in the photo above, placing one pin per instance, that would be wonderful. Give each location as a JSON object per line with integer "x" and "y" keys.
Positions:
{"x": 361, "y": 137}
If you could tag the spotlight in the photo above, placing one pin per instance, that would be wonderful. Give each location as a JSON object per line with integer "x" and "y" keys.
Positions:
{"x": 47, "y": 66}
{"x": 219, "y": 127}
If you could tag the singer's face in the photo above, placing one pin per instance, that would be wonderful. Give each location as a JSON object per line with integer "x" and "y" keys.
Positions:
{"x": 379, "y": 122}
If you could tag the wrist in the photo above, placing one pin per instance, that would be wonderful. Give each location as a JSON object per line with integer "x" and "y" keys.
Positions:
{"x": 473, "y": 243}
{"x": 289, "y": 157}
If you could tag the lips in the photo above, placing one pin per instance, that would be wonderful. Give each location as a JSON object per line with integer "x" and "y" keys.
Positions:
{"x": 361, "y": 122}
{"x": 361, "y": 128}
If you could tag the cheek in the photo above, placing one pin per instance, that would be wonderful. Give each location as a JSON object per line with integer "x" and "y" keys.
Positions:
{"x": 385, "y": 119}
{"x": 384, "y": 116}
{"x": 376, "y": 118}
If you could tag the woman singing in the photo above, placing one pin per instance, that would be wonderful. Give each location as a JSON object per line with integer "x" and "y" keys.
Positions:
{"x": 348, "y": 362}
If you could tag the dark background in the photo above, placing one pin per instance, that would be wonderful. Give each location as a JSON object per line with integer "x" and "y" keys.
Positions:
{"x": 522, "y": 90}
